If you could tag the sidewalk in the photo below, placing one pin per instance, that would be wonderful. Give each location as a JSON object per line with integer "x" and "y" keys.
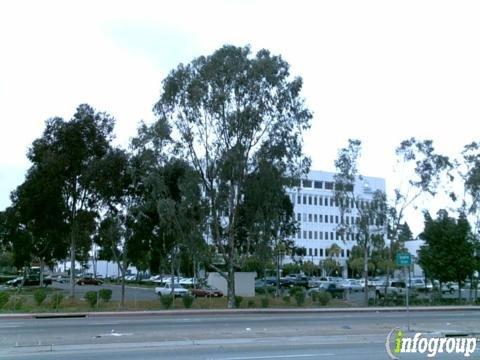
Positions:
{"x": 208, "y": 312}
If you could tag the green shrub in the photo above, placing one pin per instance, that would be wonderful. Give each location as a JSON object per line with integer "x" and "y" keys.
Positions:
{"x": 39, "y": 296}
{"x": 287, "y": 299}
{"x": 167, "y": 301}
{"x": 251, "y": 303}
{"x": 299, "y": 297}
{"x": 314, "y": 295}
{"x": 265, "y": 302}
{"x": 56, "y": 300}
{"x": 91, "y": 297}
{"x": 296, "y": 289}
{"x": 16, "y": 302}
{"x": 4, "y": 297}
{"x": 238, "y": 301}
{"x": 324, "y": 298}
{"x": 187, "y": 301}
{"x": 105, "y": 294}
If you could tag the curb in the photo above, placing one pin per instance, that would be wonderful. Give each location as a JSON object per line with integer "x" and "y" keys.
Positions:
{"x": 208, "y": 312}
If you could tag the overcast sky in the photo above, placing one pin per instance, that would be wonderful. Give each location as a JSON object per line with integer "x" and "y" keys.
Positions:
{"x": 379, "y": 71}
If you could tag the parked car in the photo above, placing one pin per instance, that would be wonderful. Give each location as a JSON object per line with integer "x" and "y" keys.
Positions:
{"x": 166, "y": 289}
{"x": 29, "y": 281}
{"x": 89, "y": 281}
{"x": 420, "y": 284}
{"x": 207, "y": 291}
{"x": 334, "y": 289}
{"x": 352, "y": 285}
{"x": 394, "y": 288}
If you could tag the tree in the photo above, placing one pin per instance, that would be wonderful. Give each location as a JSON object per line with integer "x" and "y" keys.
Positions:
{"x": 230, "y": 110}
{"x": 424, "y": 169}
{"x": 40, "y": 217}
{"x": 369, "y": 213}
{"x": 448, "y": 253}
{"x": 330, "y": 264}
{"x": 68, "y": 152}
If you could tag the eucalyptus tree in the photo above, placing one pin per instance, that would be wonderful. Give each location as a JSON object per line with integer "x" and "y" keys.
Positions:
{"x": 364, "y": 219}
{"x": 69, "y": 151}
{"x": 229, "y": 109}
{"x": 266, "y": 219}
{"x": 40, "y": 218}
{"x": 448, "y": 253}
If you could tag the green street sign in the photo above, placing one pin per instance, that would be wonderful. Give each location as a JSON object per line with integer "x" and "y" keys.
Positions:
{"x": 404, "y": 259}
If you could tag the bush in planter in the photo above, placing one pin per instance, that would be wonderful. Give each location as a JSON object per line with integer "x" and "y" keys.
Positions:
{"x": 91, "y": 297}
{"x": 238, "y": 301}
{"x": 4, "y": 297}
{"x": 56, "y": 300}
{"x": 16, "y": 302}
{"x": 251, "y": 303}
{"x": 167, "y": 301}
{"x": 300, "y": 298}
{"x": 265, "y": 302}
{"x": 105, "y": 294}
{"x": 324, "y": 298}
{"x": 39, "y": 296}
{"x": 287, "y": 299}
{"x": 187, "y": 301}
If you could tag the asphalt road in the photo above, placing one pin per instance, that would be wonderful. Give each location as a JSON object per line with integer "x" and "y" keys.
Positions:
{"x": 224, "y": 336}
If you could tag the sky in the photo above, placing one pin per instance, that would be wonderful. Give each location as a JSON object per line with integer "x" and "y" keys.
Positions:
{"x": 378, "y": 71}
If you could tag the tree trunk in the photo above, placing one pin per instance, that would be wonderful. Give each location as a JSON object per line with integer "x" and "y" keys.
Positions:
{"x": 124, "y": 270}
{"x": 365, "y": 273}
{"x": 277, "y": 278}
{"x": 231, "y": 284}
{"x": 41, "y": 271}
{"x": 72, "y": 266}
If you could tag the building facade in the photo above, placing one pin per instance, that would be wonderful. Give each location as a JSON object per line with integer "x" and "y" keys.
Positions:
{"x": 319, "y": 216}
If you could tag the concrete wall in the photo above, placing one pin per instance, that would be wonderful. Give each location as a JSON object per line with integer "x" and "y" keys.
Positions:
{"x": 244, "y": 283}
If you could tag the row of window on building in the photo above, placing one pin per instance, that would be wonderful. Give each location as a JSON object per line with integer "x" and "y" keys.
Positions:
{"x": 320, "y": 252}
{"x": 316, "y": 200}
{"x": 327, "y": 185}
{"x": 326, "y": 235}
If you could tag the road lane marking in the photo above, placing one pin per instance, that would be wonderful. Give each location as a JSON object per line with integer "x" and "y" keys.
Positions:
{"x": 277, "y": 356}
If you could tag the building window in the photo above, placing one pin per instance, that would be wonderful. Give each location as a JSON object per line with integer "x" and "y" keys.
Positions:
{"x": 299, "y": 234}
{"x": 320, "y": 218}
{"x": 314, "y": 200}
{"x": 326, "y": 235}
{"x": 320, "y": 201}
{"x": 304, "y": 200}
{"x": 299, "y": 217}
{"x": 307, "y": 183}
{"x": 343, "y": 253}
{"x": 331, "y": 235}
{"x": 328, "y": 185}
{"x": 331, "y": 219}
{"x": 326, "y": 219}
{"x": 310, "y": 235}
{"x": 309, "y": 200}
{"x": 299, "y": 199}
{"x": 348, "y": 220}
{"x": 315, "y": 252}
{"x": 309, "y": 217}
{"x": 336, "y": 219}
{"x": 331, "y": 201}
{"x": 320, "y": 235}
{"x": 315, "y": 235}
{"x": 318, "y": 184}
{"x": 304, "y": 217}
{"x": 348, "y": 253}
{"x": 315, "y": 219}
{"x": 304, "y": 234}
{"x": 309, "y": 251}
{"x": 321, "y": 252}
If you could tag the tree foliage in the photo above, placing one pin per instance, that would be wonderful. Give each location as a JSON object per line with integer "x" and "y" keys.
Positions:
{"x": 232, "y": 111}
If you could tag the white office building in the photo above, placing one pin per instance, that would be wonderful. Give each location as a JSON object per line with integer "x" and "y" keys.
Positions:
{"x": 319, "y": 217}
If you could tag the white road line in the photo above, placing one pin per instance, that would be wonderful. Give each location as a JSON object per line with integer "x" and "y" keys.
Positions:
{"x": 277, "y": 356}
